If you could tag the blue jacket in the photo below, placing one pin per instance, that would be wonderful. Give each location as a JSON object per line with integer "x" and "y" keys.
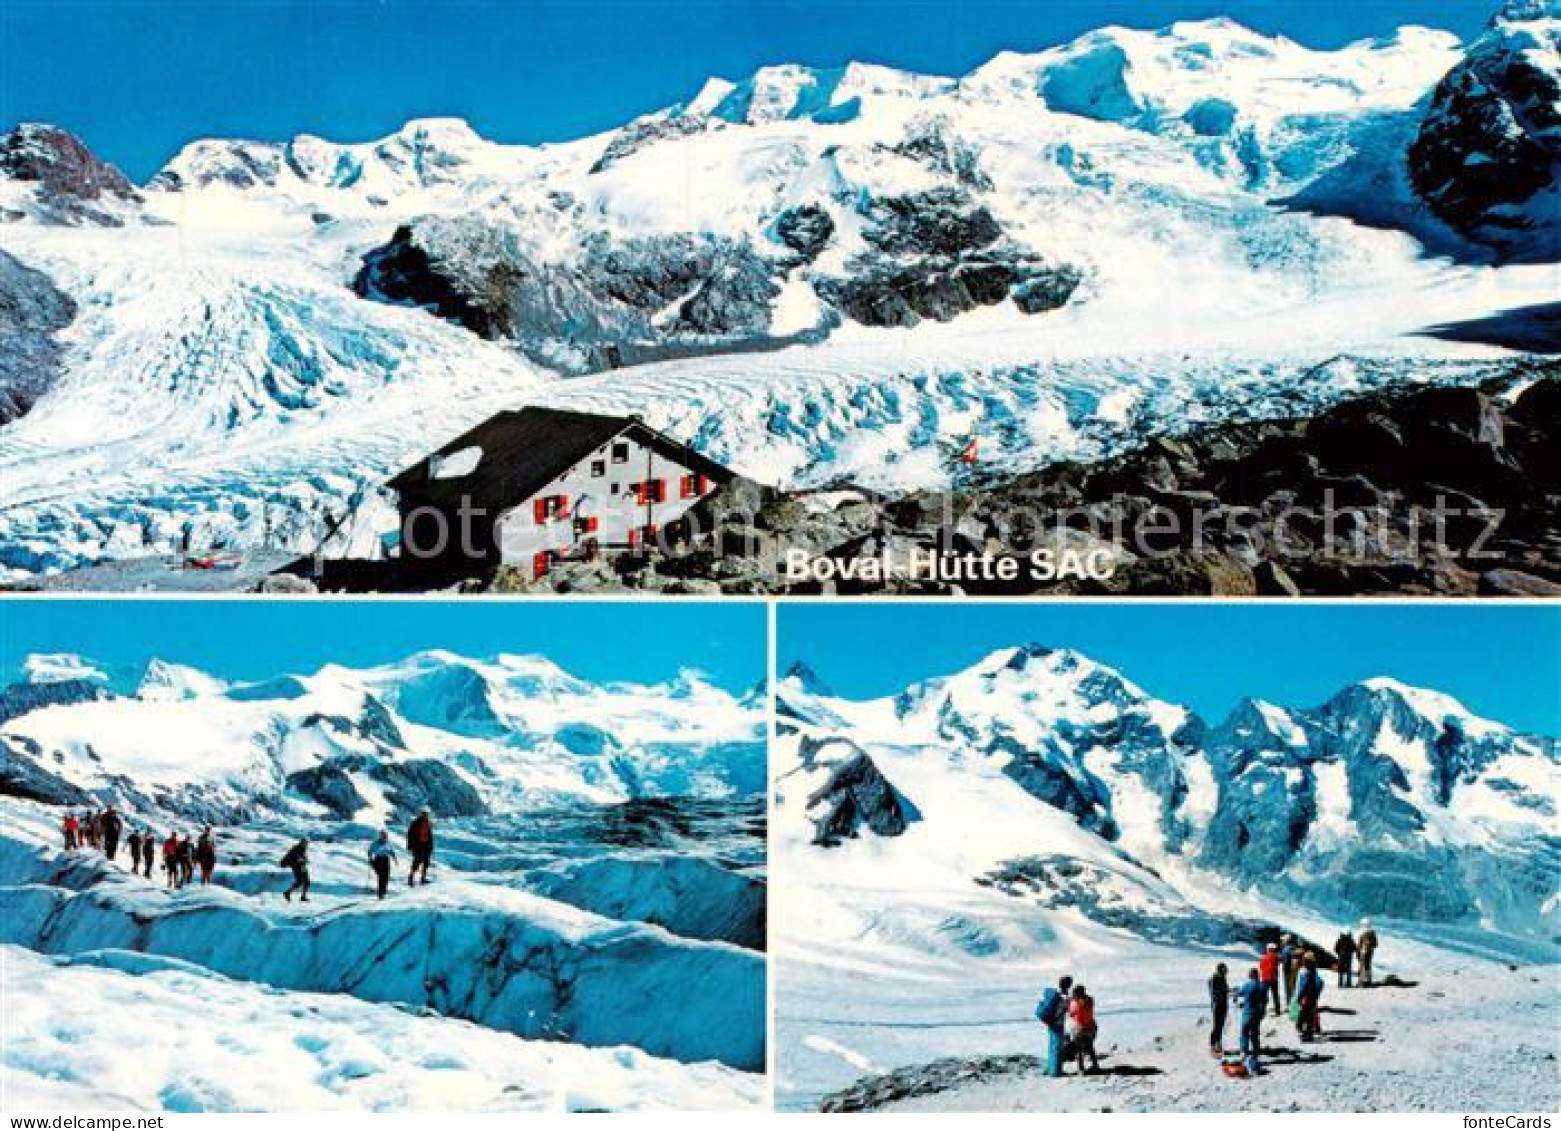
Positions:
{"x": 1052, "y": 1009}
{"x": 1253, "y": 996}
{"x": 1309, "y": 986}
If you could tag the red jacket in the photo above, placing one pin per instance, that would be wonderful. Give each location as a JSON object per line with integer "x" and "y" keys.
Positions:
{"x": 1082, "y": 1011}
{"x": 1268, "y": 966}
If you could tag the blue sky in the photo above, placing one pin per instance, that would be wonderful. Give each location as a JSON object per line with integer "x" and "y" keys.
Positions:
{"x": 136, "y": 79}
{"x": 1502, "y": 662}
{"x": 251, "y": 640}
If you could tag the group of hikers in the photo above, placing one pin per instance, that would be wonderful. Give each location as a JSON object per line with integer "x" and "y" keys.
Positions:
{"x": 1068, "y": 1011}
{"x": 1295, "y": 967}
{"x": 181, "y": 857}
{"x": 420, "y": 846}
{"x": 102, "y": 829}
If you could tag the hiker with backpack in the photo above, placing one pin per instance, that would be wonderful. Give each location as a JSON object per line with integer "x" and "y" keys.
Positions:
{"x": 1082, "y": 1029}
{"x": 1253, "y": 996}
{"x": 111, "y": 826}
{"x": 1308, "y": 999}
{"x": 1344, "y": 953}
{"x": 1366, "y": 947}
{"x": 148, "y": 852}
{"x": 186, "y": 860}
{"x": 206, "y": 855}
{"x": 381, "y": 857}
{"x": 297, "y": 860}
{"x": 133, "y": 842}
{"x": 71, "y": 829}
{"x": 420, "y": 844}
{"x": 1268, "y": 970}
{"x": 1052, "y": 1010}
{"x": 1219, "y": 1005}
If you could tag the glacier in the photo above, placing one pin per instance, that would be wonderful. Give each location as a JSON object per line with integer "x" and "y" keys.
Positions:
{"x": 1227, "y": 220}
{"x": 593, "y": 936}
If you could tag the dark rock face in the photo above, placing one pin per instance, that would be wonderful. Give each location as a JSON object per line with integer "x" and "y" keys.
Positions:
{"x": 647, "y": 131}
{"x": 411, "y": 786}
{"x": 22, "y": 776}
{"x": 938, "y": 254}
{"x": 32, "y": 311}
{"x": 934, "y": 144}
{"x": 856, "y": 796}
{"x": 621, "y": 302}
{"x": 947, "y": 1075}
{"x": 806, "y": 229}
{"x": 21, "y": 698}
{"x": 73, "y": 185}
{"x": 1486, "y": 156}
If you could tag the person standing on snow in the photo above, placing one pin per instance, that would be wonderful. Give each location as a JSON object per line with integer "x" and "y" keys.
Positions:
{"x": 1344, "y": 952}
{"x": 206, "y": 855}
{"x": 297, "y": 859}
{"x": 1268, "y": 970}
{"x": 1308, "y": 995}
{"x": 420, "y": 843}
{"x": 148, "y": 852}
{"x": 381, "y": 857}
{"x": 1366, "y": 947}
{"x": 112, "y": 826}
{"x": 186, "y": 860}
{"x": 1052, "y": 1010}
{"x": 171, "y": 859}
{"x": 1253, "y": 996}
{"x": 1289, "y": 965}
{"x": 1219, "y": 1005}
{"x": 71, "y": 828}
{"x": 134, "y": 841}
{"x": 1082, "y": 1028}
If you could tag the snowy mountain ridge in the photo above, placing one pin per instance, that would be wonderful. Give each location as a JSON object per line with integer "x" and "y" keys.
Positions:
{"x": 1386, "y": 799}
{"x": 460, "y": 736}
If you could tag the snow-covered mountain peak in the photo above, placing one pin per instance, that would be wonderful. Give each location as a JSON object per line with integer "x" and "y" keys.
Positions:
{"x": 61, "y": 667}
{"x": 165, "y": 681}
{"x": 800, "y": 676}
{"x": 1435, "y": 707}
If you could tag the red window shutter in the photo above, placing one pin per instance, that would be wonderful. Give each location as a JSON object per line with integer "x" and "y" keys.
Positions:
{"x": 650, "y": 531}
{"x": 634, "y": 537}
{"x": 563, "y": 504}
{"x": 686, "y": 487}
{"x": 539, "y": 563}
{"x": 591, "y": 524}
{"x": 661, "y": 490}
{"x": 702, "y": 485}
{"x": 539, "y": 509}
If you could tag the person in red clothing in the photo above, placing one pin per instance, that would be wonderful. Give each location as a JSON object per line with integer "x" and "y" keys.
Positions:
{"x": 171, "y": 859}
{"x": 420, "y": 843}
{"x": 71, "y": 828}
{"x": 1268, "y": 971}
{"x": 1081, "y": 1029}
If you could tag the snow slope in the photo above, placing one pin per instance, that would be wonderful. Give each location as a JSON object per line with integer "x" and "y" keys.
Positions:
{"x": 222, "y": 383}
{"x": 1057, "y": 818}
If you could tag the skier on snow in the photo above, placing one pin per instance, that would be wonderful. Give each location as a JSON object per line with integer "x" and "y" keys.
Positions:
{"x": 381, "y": 857}
{"x": 1052, "y": 1010}
{"x": 297, "y": 859}
{"x": 420, "y": 843}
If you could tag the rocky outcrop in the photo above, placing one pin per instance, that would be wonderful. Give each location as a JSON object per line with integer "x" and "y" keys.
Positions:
{"x": 1488, "y": 150}
{"x": 32, "y": 311}
{"x": 620, "y": 302}
{"x": 410, "y": 785}
{"x": 71, "y": 185}
{"x": 947, "y": 1075}
{"x": 856, "y": 796}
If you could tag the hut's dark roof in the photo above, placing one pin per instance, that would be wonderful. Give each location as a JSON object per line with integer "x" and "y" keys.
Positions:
{"x": 524, "y": 450}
